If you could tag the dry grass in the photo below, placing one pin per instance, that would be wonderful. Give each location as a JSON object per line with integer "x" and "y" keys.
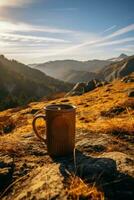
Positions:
{"x": 88, "y": 116}
{"x": 11, "y": 145}
{"x": 121, "y": 128}
{"x": 78, "y": 189}
{"x": 90, "y": 107}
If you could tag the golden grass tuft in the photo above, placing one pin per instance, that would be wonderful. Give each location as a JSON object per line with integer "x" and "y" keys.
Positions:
{"x": 78, "y": 189}
{"x": 121, "y": 127}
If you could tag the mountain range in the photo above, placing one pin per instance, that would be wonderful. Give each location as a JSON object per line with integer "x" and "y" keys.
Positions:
{"x": 75, "y": 71}
{"x": 61, "y": 68}
{"x": 21, "y": 84}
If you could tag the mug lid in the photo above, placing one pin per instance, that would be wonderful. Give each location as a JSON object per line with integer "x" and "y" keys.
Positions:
{"x": 60, "y": 107}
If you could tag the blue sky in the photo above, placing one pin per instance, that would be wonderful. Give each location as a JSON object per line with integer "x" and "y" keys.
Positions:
{"x": 43, "y": 30}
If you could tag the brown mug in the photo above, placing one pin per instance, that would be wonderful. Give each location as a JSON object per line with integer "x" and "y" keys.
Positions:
{"x": 60, "y": 128}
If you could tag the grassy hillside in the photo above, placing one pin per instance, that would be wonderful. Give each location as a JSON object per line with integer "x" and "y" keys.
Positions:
{"x": 102, "y": 164}
{"x": 20, "y": 84}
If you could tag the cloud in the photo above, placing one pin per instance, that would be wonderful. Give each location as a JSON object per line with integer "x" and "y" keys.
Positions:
{"x": 9, "y": 32}
{"x": 122, "y": 31}
{"x": 103, "y": 39}
{"x": 128, "y": 49}
{"x": 121, "y": 41}
{"x": 6, "y": 36}
{"x": 98, "y": 42}
{"x": 12, "y": 27}
{"x": 23, "y": 39}
{"x": 14, "y": 3}
{"x": 109, "y": 29}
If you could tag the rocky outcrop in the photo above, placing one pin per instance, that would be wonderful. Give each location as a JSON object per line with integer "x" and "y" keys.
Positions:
{"x": 128, "y": 79}
{"x": 81, "y": 88}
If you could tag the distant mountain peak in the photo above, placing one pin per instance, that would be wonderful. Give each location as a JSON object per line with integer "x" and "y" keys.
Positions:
{"x": 122, "y": 55}
{"x": 119, "y": 58}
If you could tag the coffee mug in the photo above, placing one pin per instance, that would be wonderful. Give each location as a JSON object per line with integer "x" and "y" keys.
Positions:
{"x": 60, "y": 128}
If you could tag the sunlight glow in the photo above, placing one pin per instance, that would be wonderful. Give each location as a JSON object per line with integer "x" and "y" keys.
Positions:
{"x": 12, "y": 3}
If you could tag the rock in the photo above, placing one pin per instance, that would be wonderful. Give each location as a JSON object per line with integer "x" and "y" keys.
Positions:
{"x": 102, "y": 166}
{"x": 128, "y": 79}
{"x": 5, "y": 161}
{"x": 33, "y": 111}
{"x": 123, "y": 161}
{"x": 8, "y": 127}
{"x": 91, "y": 85}
{"x": 83, "y": 87}
{"x": 44, "y": 182}
{"x": 78, "y": 89}
{"x": 6, "y": 171}
{"x": 113, "y": 111}
{"x": 99, "y": 84}
{"x": 131, "y": 93}
{"x": 5, "y": 177}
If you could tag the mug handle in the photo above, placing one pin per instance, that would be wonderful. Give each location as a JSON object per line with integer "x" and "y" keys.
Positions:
{"x": 35, "y": 128}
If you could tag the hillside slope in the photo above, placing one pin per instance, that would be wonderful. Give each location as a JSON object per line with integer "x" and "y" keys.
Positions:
{"x": 103, "y": 164}
{"x": 118, "y": 69}
{"x": 21, "y": 84}
{"x": 74, "y": 76}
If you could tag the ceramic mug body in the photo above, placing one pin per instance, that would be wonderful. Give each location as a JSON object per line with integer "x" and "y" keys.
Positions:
{"x": 60, "y": 128}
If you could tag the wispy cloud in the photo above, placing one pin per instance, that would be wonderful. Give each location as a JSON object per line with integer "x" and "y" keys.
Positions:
{"x": 103, "y": 39}
{"x": 122, "y": 31}
{"x": 21, "y": 39}
{"x": 121, "y": 41}
{"x": 6, "y": 36}
{"x": 127, "y": 48}
{"x": 9, "y": 31}
{"x": 98, "y": 42}
{"x": 109, "y": 29}
{"x": 12, "y": 27}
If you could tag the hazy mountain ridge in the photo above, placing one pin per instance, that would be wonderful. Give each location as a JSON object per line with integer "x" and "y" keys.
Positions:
{"x": 59, "y": 68}
{"x": 21, "y": 84}
{"x": 115, "y": 70}
{"x": 69, "y": 70}
{"x": 74, "y": 76}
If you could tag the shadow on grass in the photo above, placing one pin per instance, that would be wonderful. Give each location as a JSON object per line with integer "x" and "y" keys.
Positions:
{"x": 99, "y": 171}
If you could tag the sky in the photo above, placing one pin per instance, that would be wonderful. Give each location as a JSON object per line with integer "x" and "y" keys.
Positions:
{"x": 35, "y": 31}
